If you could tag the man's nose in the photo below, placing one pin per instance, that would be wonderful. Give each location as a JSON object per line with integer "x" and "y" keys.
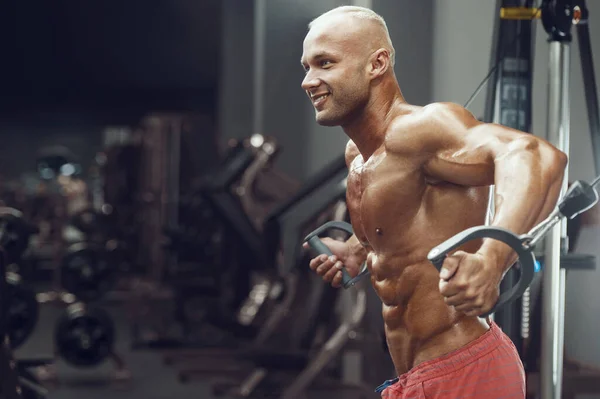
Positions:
{"x": 310, "y": 81}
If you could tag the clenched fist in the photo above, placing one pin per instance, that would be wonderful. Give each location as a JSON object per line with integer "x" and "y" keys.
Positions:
{"x": 470, "y": 283}
{"x": 330, "y": 267}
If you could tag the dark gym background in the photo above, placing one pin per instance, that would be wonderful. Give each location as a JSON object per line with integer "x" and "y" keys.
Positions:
{"x": 72, "y": 71}
{"x": 68, "y": 71}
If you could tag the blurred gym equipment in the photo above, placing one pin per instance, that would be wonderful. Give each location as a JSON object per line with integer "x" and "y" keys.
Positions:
{"x": 81, "y": 258}
{"x": 85, "y": 337}
{"x": 87, "y": 271}
{"x": 23, "y": 310}
{"x": 212, "y": 276}
{"x": 209, "y": 258}
{"x": 99, "y": 237}
{"x": 18, "y": 313}
{"x": 17, "y": 233}
{"x": 290, "y": 308}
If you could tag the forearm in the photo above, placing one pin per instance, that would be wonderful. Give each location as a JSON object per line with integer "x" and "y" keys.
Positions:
{"x": 527, "y": 186}
{"x": 356, "y": 249}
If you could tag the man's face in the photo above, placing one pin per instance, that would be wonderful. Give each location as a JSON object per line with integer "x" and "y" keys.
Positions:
{"x": 335, "y": 78}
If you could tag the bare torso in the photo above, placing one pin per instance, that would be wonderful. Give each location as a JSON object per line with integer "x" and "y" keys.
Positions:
{"x": 399, "y": 213}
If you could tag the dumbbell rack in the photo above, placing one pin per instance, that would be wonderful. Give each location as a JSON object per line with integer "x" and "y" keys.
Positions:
{"x": 9, "y": 383}
{"x": 57, "y": 296}
{"x": 14, "y": 373}
{"x": 48, "y": 373}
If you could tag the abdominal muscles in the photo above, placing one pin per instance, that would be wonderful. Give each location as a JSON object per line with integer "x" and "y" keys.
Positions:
{"x": 418, "y": 322}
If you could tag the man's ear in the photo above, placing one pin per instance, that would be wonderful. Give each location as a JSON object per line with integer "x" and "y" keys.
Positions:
{"x": 380, "y": 62}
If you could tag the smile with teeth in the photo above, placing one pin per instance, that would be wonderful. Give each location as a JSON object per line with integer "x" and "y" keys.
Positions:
{"x": 319, "y": 99}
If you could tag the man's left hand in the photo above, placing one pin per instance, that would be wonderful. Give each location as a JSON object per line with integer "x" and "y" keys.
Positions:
{"x": 470, "y": 283}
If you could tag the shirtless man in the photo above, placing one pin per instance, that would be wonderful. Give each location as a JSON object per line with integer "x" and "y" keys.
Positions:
{"x": 417, "y": 176}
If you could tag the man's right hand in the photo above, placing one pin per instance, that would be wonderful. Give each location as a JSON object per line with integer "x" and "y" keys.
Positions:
{"x": 330, "y": 267}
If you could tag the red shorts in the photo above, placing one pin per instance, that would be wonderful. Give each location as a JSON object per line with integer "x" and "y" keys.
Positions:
{"x": 487, "y": 368}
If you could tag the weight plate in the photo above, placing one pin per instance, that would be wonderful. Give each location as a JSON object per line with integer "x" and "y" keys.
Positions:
{"x": 84, "y": 337}
{"x": 16, "y": 234}
{"x": 87, "y": 272}
{"x": 23, "y": 311}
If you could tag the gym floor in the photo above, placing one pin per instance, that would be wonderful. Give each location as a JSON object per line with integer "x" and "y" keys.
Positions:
{"x": 151, "y": 379}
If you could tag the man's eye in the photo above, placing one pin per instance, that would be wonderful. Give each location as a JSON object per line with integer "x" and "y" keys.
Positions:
{"x": 325, "y": 63}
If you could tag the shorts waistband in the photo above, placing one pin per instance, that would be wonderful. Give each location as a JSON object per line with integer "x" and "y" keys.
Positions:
{"x": 456, "y": 359}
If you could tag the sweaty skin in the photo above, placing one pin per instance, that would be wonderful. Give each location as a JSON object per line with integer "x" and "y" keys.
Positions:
{"x": 417, "y": 176}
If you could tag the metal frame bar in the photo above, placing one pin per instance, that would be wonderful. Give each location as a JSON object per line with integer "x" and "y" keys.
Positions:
{"x": 553, "y": 298}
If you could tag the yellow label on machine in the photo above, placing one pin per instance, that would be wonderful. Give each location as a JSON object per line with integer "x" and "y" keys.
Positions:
{"x": 520, "y": 13}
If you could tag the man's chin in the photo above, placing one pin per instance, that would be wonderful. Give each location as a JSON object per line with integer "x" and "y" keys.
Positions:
{"x": 325, "y": 121}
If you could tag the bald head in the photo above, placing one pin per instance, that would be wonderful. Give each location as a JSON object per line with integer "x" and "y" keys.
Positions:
{"x": 348, "y": 59}
{"x": 359, "y": 26}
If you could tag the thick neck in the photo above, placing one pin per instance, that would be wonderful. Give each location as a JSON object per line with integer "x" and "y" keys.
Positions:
{"x": 367, "y": 130}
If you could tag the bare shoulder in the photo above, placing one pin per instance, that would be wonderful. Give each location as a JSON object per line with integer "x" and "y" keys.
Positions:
{"x": 351, "y": 152}
{"x": 450, "y": 113}
{"x": 427, "y": 127}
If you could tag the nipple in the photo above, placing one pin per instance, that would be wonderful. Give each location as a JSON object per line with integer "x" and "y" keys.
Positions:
{"x": 378, "y": 231}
